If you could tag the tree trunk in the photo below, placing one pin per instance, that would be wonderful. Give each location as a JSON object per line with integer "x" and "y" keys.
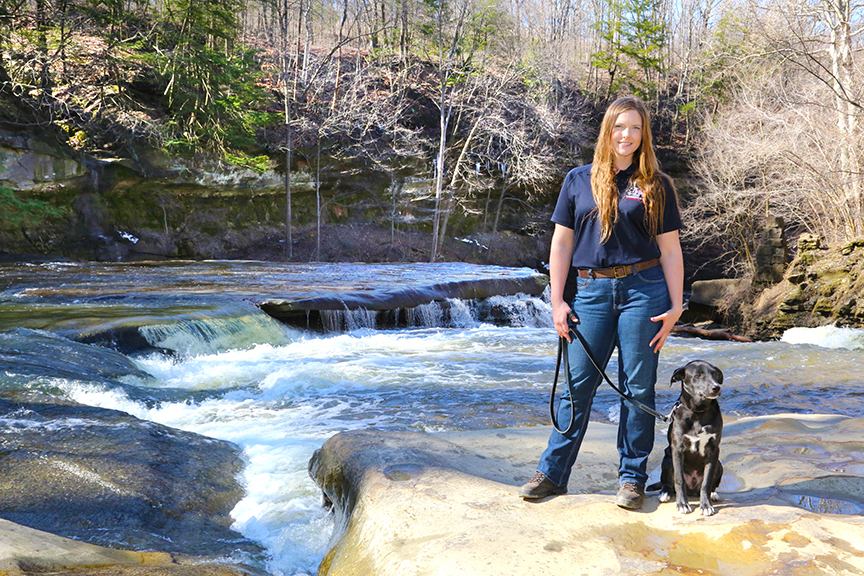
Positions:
{"x": 403, "y": 34}
{"x": 439, "y": 181}
{"x": 298, "y": 59}
{"x": 310, "y": 39}
{"x": 339, "y": 57}
{"x": 318, "y": 200}
{"x": 498, "y": 210}
{"x": 396, "y": 189}
{"x": 446, "y": 212}
{"x": 289, "y": 248}
{"x": 42, "y": 46}
{"x": 839, "y": 16}
{"x": 442, "y": 140}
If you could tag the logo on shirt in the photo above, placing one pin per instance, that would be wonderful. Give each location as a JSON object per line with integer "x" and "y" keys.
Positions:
{"x": 633, "y": 192}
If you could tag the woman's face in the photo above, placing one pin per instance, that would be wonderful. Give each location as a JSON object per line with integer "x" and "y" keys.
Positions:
{"x": 626, "y": 137}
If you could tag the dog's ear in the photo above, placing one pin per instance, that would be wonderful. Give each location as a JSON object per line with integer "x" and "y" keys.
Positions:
{"x": 678, "y": 375}
{"x": 717, "y": 374}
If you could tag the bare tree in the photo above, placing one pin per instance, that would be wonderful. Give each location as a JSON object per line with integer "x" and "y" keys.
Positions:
{"x": 818, "y": 39}
{"x": 773, "y": 149}
{"x": 451, "y": 34}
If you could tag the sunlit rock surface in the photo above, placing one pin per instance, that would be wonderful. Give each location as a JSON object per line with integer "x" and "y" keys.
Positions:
{"x": 24, "y": 551}
{"x": 410, "y": 503}
{"x": 821, "y": 287}
{"x": 28, "y": 163}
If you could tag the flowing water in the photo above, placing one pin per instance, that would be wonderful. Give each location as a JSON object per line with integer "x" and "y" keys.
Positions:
{"x": 279, "y": 392}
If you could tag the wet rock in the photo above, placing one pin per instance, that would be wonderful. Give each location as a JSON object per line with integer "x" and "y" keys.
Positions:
{"x": 40, "y": 353}
{"x": 420, "y": 504}
{"x": 104, "y": 477}
{"x": 306, "y": 312}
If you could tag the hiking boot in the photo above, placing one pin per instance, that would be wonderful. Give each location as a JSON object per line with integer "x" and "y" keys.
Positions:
{"x": 539, "y": 487}
{"x": 630, "y": 496}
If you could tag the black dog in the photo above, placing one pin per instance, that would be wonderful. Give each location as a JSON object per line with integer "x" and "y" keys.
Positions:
{"x": 691, "y": 464}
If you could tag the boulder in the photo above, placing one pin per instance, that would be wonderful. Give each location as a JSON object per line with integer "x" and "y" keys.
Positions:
{"x": 105, "y": 477}
{"x": 411, "y": 503}
{"x": 711, "y": 299}
{"x": 713, "y": 293}
{"x": 808, "y": 241}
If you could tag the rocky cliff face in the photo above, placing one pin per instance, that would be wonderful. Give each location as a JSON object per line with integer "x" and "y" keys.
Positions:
{"x": 821, "y": 286}
{"x": 36, "y": 165}
{"x": 151, "y": 206}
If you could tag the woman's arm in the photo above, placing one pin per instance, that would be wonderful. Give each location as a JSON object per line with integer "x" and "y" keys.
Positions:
{"x": 672, "y": 263}
{"x": 560, "y": 256}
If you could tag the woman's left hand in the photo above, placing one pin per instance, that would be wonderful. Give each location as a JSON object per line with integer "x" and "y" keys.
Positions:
{"x": 673, "y": 270}
{"x": 669, "y": 318}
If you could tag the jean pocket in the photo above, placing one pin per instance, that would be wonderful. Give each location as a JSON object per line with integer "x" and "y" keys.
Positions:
{"x": 582, "y": 283}
{"x": 652, "y": 275}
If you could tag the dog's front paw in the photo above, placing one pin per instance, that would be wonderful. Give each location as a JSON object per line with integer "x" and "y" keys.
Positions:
{"x": 684, "y": 508}
{"x": 707, "y": 509}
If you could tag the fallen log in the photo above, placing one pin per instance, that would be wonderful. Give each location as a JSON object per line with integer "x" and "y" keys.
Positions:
{"x": 709, "y": 334}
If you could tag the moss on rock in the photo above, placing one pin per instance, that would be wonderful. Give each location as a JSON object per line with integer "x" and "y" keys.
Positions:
{"x": 820, "y": 287}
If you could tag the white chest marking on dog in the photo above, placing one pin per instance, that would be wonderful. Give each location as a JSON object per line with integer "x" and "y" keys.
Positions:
{"x": 699, "y": 442}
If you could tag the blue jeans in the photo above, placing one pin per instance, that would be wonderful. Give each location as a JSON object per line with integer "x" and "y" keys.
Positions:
{"x": 612, "y": 313}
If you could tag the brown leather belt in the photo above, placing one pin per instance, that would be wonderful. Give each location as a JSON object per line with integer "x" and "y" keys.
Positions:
{"x": 619, "y": 271}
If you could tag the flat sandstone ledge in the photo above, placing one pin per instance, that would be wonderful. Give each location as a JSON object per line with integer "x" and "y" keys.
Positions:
{"x": 411, "y": 503}
{"x": 25, "y": 551}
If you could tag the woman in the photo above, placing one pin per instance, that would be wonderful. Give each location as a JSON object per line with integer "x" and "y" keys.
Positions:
{"x": 616, "y": 229}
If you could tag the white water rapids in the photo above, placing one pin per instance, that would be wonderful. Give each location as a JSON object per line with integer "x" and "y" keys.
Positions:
{"x": 279, "y": 393}
{"x": 281, "y": 402}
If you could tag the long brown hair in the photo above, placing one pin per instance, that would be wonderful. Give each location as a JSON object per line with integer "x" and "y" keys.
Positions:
{"x": 647, "y": 175}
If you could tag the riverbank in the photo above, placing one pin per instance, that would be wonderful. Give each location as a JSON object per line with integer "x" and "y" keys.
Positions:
{"x": 214, "y": 400}
{"x": 820, "y": 287}
{"x": 792, "y": 499}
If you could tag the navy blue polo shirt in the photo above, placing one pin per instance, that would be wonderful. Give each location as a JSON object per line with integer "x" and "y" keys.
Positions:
{"x": 630, "y": 241}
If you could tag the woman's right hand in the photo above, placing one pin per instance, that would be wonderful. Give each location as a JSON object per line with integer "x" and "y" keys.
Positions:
{"x": 561, "y": 315}
{"x": 560, "y": 254}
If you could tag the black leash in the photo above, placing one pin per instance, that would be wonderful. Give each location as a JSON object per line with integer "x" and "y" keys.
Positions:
{"x": 564, "y": 353}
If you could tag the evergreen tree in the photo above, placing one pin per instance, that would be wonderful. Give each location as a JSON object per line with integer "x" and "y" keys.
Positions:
{"x": 634, "y": 34}
{"x": 209, "y": 80}
{"x": 645, "y": 38}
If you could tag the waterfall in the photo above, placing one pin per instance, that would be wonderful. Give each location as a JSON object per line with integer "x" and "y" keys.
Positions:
{"x": 518, "y": 310}
{"x": 208, "y": 335}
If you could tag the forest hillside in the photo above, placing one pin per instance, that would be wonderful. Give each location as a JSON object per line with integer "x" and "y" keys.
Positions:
{"x": 417, "y": 122}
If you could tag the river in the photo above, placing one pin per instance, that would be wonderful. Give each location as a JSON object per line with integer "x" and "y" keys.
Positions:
{"x": 279, "y": 392}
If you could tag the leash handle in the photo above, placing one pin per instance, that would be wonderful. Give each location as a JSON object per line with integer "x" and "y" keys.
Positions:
{"x": 563, "y": 351}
